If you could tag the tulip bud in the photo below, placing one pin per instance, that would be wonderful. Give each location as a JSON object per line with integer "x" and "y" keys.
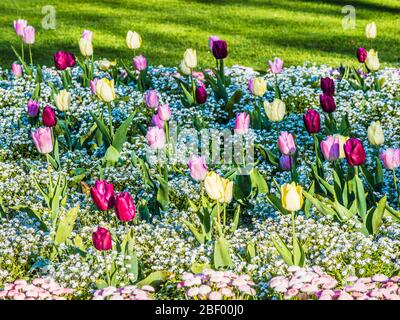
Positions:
{"x": 49, "y": 118}
{"x": 16, "y": 70}
{"x": 327, "y": 103}
{"x": 63, "y": 100}
{"x": 151, "y": 99}
{"x": 330, "y": 148}
{"x": 87, "y": 35}
{"x": 372, "y": 61}
{"x": 156, "y": 121}
{"x": 164, "y": 112}
{"x": 190, "y": 58}
{"x": 312, "y": 121}
{"x": 354, "y": 151}
{"x": 362, "y": 55}
{"x": 43, "y": 140}
{"x": 390, "y": 158}
{"x": 102, "y": 194}
{"x": 201, "y": 95}
{"x": 102, "y": 240}
{"x": 257, "y": 86}
{"x": 29, "y": 35}
{"x": 93, "y": 85}
{"x": 375, "y": 134}
{"x": 370, "y": 30}
{"x": 105, "y": 89}
{"x": 156, "y": 138}
{"x": 19, "y": 26}
{"x": 86, "y": 47}
{"x": 133, "y": 40}
{"x": 198, "y": 167}
{"x": 184, "y": 68}
{"x": 286, "y": 162}
{"x": 327, "y": 86}
{"x": 32, "y": 108}
{"x": 220, "y": 49}
{"x": 291, "y": 196}
{"x": 275, "y": 110}
{"x": 276, "y": 66}
{"x": 140, "y": 63}
{"x": 242, "y": 123}
{"x": 286, "y": 143}
{"x": 125, "y": 208}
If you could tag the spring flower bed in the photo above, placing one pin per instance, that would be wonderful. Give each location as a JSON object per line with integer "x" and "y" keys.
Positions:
{"x": 152, "y": 182}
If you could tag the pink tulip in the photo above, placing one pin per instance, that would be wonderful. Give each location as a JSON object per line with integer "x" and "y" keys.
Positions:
{"x": 19, "y": 26}
{"x": 156, "y": 138}
{"x": 29, "y": 35}
{"x": 330, "y": 148}
{"x": 42, "y": 138}
{"x": 164, "y": 112}
{"x": 276, "y": 66}
{"x": 151, "y": 99}
{"x": 87, "y": 35}
{"x": 242, "y": 123}
{"x": 198, "y": 167}
{"x": 286, "y": 143}
{"x": 140, "y": 63}
{"x": 93, "y": 85}
{"x": 390, "y": 158}
{"x": 211, "y": 40}
{"x": 16, "y": 70}
{"x": 156, "y": 121}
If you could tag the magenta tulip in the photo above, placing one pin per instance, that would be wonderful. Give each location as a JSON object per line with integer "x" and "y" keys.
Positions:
{"x": 286, "y": 143}
{"x": 102, "y": 194}
{"x": 201, "y": 95}
{"x": 156, "y": 121}
{"x": 312, "y": 121}
{"x": 328, "y": 86}
{"x": 125, "y": 208}
{"x": 362, "y": 55}
{"x": 43, "y": 140}
{"x": 242, "y": 123}
{"x": 390, "y": 158}
{"x": 32, "y": 108}
{"x": 330, "y": 148}
{"x": 198, "y": 168}
{"x": 19, "y": 26}
{"x": 63, "y": 60}
{"x": 327, "y": 103}
{"x": 140, "y": 63}
{"x": 49, "y": 118}
{"x": 102, "y": 240}
{"x": 151, "y": 99}
{"x": 276, "y": 66}
{"x": 164, "y": 112}
{"x": 354, "y": 151}
{"x": 156, "y": 138}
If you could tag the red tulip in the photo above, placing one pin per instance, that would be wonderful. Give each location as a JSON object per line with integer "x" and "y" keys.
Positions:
{"x": 103, "y": 195}
{"x": 312, "y": 121}
{"x": 102, "y": 239}
{"x": 49, "y": 118}
{"x": 125, "y": 208}
{"x": 354, "y": 151}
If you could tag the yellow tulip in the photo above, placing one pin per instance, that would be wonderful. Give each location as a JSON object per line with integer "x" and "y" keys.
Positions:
{"x": 342, "y": 141}
{"x": 106, "y": 64}
{"x": 370, "y": 30}
{"x": 259, "y": 86}
{"x": 105, "y": 89}
{"x": 372, "y": 61}
{"x": 228, "y": 190}
{"x": 190, "y": 58}
{"x": 291, "y": 196}
{"x": 276, "y": 110}
{"x": 375, "y": 134}
{"x": 63, "y": 100}
{"x": 218, "y": 188}
{"x": 86, "y": 48}
{"x": 133, "y": 40}
{"x": 184, "y": 68}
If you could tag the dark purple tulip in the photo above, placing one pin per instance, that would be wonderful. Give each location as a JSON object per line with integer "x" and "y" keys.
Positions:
{"x": 362, "y": 55}
{"x": 102, "y": 239}
{"x": 103, "y": 195}
{"x": 327, "y": 103}
{"x": 354, "y": 151}
{"x": 312, "y": 121}
{"x": 328, "y": 86}
{"x": 32, "y": 108}
{"x": 49, "y": 118}
{"x": 125, "y": 208}
{"x": 201, "y": 95}
{"x": 220, "y": 49}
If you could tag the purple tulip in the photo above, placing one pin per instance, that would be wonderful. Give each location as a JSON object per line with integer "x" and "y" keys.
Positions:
{"x": 32, "y": 108}
{"x": 164, "y": 112}
{"x": 286, "y": 162}
{"x": 19, "y": 26}
{"x": 124, "y": 208}
{"x": 49, "y": 118}
{"x": 354, "y": 151}
{"x": 327, "y": 103}
{"x": 140, "y": 63}
{"x": 390, "y": 158}
{"x": 102, "y": 194}
{"x": 211, "y": 40}
{"x": 29, "y": 35}
{"x": 201, "y": 95}
{"x": 198, "y": 168}
{"x": 362, "y": 55}
{"x": 312, "y": 121}
{"x": 102, "y": 240}
{"x": 16, "y": 70}
{"x": 242, "y": 123}
{"x": 43, "y": 140}
{"x": 220, "y": 49}
{"x": 286, "y": 143}
{"x": 156, "y": 121}
{"x": 330, "y": 148}
{"x": 327, "y": 86}
{"x": 151, "y": 99}
{"x": 276, "y": 66}
{"x": 156, "y": 138}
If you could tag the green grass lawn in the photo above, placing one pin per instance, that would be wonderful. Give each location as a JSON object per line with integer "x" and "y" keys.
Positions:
{"x": 256, "y": 30}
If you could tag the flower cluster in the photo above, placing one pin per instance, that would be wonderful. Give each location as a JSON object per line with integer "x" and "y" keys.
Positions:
{"x": 125, "y": 293}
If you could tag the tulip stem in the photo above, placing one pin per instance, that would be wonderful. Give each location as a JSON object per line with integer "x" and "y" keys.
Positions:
{"x": 30, "y": 55}
{"x": 293, "y": 230}
{"x": 49, "y": 173}
{"x": 167, "y": 137}
{"x": 22, "y": 51}
{"x": 218, "y": 212}
{"x": 224, "y": 214}
{"x": 395, "y": 186}
{"x": 110, "y": 119}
